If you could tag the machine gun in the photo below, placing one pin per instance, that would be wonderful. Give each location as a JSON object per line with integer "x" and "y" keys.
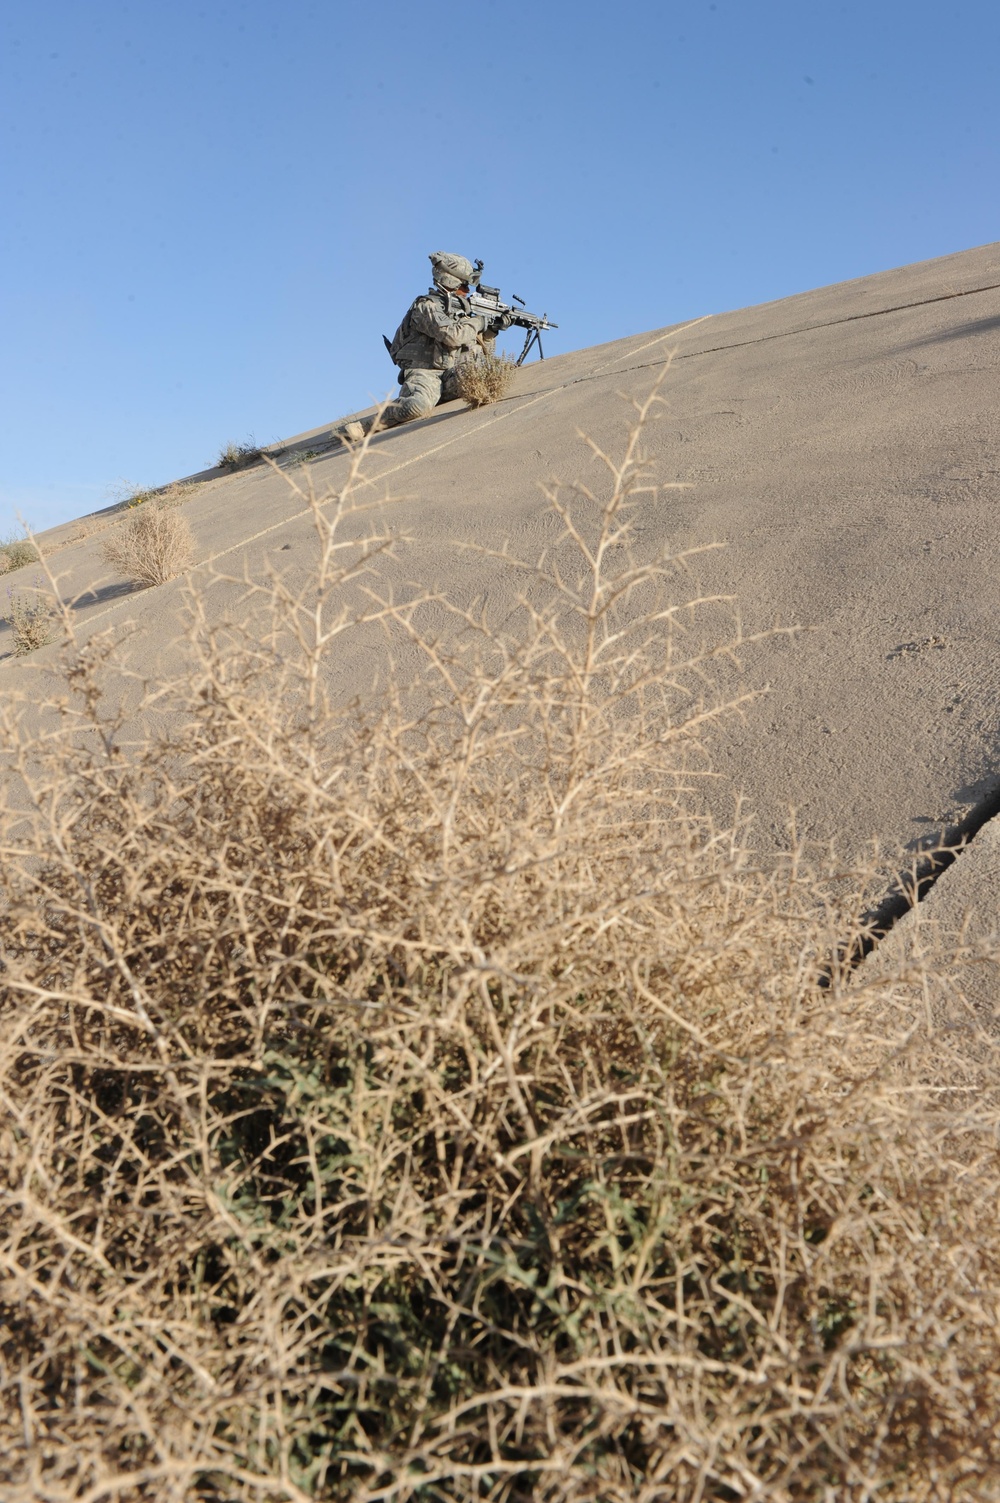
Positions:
{"x": 486, "y": 300}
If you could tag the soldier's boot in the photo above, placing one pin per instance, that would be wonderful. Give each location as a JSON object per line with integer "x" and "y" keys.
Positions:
{"x": 354, "y": 432}
{"x": 418, "y": 396}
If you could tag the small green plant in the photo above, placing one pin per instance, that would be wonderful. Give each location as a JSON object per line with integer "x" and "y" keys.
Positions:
{"x": 126, "y": 495}
{"x": 486, "y": 379}
{"x": 168, "y": 495}
{"x": 32, "y": 619}
{"x": 15, "y": 553}
{"x": 237, "y": 456}
{"x": 298, "y": 460}
{"x": 151, "y": 546}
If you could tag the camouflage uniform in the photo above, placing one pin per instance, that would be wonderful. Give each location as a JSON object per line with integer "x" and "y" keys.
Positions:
{"x": 438, "y": 334}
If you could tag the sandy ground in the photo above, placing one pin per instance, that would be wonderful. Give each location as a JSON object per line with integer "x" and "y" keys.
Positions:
{"x": 844, "y": 446}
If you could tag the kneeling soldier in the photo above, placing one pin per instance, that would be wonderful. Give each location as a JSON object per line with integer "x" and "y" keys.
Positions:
{"x": 439, "y": 334}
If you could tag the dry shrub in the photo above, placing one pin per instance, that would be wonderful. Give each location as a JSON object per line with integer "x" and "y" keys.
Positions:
{"x": 486, "y": 379}
{"x": 32, "y": 619}
{"x": 15, "y": 553}
{"x": 166, "y": 495}
{"x": 235, "y": 456}
{"x": 421, "y": 1103}
{"x": 151, "y": 546}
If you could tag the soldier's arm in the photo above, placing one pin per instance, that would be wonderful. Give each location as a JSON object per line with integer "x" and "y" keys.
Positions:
{"x": 455, "y": 334}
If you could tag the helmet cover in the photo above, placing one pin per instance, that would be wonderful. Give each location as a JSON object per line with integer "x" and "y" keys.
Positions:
{"x": 450, "y": 272}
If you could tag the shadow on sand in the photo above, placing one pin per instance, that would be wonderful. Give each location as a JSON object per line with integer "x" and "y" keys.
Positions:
{"x": 106, "y": 592}
{"x": 960, "y": 331}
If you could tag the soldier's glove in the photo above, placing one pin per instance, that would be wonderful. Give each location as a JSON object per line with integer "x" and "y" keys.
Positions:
{"x": 500, "y": 323}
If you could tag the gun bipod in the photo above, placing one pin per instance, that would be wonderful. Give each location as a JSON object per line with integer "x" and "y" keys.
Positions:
{"x": 533, "y": 337}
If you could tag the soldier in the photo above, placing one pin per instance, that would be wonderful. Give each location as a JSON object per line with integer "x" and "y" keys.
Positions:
{"x": 438, "y": 334}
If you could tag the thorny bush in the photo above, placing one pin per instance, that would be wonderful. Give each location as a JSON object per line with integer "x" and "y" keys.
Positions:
{"x": 423, "y": 1103}
{"x": 153, "y": 544}
{"x": 486, "y": 379}
{"x": 15, "y": 552}
{"x": 33, "y": 619}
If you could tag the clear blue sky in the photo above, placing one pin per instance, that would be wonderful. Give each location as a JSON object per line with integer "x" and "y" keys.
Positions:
{"x": 213, "y": 211}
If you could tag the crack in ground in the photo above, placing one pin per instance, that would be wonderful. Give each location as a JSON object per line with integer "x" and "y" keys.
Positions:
{"x": 851, "y": 318}
{"x": 908, "y": 888}
{"x": 741, "y": 344}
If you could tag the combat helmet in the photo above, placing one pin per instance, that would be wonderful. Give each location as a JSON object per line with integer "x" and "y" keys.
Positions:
{"x": 452, "y": 272}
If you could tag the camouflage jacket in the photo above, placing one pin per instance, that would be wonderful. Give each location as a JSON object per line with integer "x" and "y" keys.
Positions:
{"x": 437, "y": 333}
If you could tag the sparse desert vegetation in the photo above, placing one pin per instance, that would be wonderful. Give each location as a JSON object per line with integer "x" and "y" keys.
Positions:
{"x": 153, "y": 544}
{"x": 486, "y": 379}
{"x": 131, "y": 496}
{"x": 233, "y": 456}
{"x": 164, "y": 495}
{"x": 31, "y": 617}
{"x": 303, "y": 457}
{"x": 425, "y": 1102}
{"x": 15, "y": 552}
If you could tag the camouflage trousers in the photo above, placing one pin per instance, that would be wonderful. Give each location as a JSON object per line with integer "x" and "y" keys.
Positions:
{"x": 419, "y": 394}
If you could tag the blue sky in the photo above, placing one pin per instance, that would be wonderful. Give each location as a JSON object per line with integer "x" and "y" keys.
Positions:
{"x": 213, "y": 211}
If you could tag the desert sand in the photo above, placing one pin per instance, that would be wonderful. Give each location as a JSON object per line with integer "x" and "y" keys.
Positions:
{"x": 842, "y": 445}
